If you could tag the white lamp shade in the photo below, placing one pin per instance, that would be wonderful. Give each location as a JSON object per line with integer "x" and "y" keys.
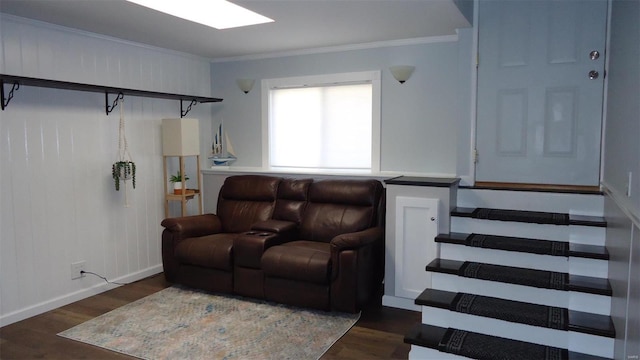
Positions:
{"x": 402, "y": 73}
{"x": 245, "y": 84}
{"x": 180, "y": 137}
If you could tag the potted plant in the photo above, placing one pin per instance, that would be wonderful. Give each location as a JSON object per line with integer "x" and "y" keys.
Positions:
{"x": 177, "y": 181}
{"x": 123, "y": 171}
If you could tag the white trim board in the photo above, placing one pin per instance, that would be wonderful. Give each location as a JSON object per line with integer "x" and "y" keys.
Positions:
{"x": 623, "y": 202}
{"x": 63, "y": 300}
{"x": 400, "y": 303}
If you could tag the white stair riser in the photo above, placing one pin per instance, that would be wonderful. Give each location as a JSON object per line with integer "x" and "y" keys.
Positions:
{"x": 590, "y": 235}
{"x": 580, "y": 204}
{"x": 597, "y": 304}
{"x": 423, "y": 353}
{"x": 572, "y": 265}
{"x": 583, "y": 204}
{"x": 578, "y": 342}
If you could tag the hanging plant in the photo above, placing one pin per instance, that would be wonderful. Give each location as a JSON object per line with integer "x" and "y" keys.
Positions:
{"x": 124, "y": 169}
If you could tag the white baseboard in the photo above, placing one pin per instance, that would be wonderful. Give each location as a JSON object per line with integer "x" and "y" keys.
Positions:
{"x": 400, "y": 303}
{"x": 66, "y": 299}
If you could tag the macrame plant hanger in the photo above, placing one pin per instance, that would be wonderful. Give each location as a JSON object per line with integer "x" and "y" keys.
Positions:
{"x": 124, "y": 168}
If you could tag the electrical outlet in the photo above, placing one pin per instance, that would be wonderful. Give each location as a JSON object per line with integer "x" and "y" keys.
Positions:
{"x": 76, "y": 270}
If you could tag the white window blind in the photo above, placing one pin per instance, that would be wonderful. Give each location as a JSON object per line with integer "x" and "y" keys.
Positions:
{"x": 321, "y": 127}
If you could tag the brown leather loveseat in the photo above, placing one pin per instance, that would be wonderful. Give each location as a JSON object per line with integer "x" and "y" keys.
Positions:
{"x": 301, "y": 242}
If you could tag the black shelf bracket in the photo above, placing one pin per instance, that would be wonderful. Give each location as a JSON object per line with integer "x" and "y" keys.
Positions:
{"x": 108, "y": 108}
{"x": 5, "y": 101}
{"x": 19, "y": 81}
{"x": 184, "y": 113}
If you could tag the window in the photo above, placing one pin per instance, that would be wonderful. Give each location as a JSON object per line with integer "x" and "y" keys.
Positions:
{"x": 327, "y": 123}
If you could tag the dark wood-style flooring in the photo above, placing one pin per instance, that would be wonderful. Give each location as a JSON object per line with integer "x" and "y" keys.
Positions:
{"x": 378, "y": 334}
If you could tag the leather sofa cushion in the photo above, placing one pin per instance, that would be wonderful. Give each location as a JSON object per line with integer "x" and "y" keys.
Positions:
{"x": 250, "y": 187}
{"x": 301, "y": 260}
{"x": 211, "y": 251}
{"x": 292, "y": 199}
{"x": 245, "y": 200}
{"x": 348, "y": 192}
{"x": 322, "y": 222}
{"x": 338, "y": 207}
{"x": 238, "y": 216}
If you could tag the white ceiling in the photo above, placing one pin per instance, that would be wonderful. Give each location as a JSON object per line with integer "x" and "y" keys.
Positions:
{"x": 300, "y": 25}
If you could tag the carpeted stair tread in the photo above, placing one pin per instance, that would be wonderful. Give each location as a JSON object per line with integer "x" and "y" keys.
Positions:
{"x": 480, "y": 346}
{"x": 522, "y": 276}
{"x": 425, "y": 336}
{"x": 527, "y": 245}
{"x": 537, "y": 217}
{"x": 519, "y": 312}
{"x": 589, "y": 251}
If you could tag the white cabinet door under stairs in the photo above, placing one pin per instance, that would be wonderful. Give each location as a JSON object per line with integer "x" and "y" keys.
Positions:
{"x": 417, "y": 211}
{"x": 417, "y": 223}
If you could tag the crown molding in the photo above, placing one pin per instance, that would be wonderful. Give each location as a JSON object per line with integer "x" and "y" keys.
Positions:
{"x": 341, "y": 48}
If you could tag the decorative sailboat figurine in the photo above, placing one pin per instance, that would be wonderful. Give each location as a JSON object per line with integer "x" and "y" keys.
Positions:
{"x": 222, "y": 151}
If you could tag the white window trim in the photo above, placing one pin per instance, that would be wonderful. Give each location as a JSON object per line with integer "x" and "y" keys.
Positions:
{"x": 317, "y": 80}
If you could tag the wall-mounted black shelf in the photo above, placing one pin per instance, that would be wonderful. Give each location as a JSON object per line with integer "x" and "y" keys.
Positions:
{"x": 17, "y": 81}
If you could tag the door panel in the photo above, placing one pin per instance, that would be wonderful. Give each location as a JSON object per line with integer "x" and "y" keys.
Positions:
{"x": 416, "y": 226}
{"x": 512, "y": 122}
{"x": 539, "y": 113}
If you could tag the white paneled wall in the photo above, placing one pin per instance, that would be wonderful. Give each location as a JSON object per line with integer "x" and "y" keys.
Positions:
{"x": 57, "y": 199}
{"x": 46, "y": 51}
{"x": 623, "y": 245}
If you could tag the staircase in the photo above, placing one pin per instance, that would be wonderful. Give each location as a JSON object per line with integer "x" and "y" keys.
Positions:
{"x": 521, "y": 275}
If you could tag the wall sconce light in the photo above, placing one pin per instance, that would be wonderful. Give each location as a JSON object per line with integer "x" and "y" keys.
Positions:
{"x": 402, "y": 73}
{"x": 245, "y": 84}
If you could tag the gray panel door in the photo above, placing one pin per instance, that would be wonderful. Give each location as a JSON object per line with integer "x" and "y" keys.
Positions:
{"x": 539, "y": 110}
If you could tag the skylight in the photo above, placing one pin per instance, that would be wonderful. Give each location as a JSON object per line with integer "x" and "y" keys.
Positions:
{"x": 219, "y": 14}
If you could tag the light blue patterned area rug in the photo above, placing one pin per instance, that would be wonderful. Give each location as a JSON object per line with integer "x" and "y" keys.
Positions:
{"x": 179, "y": 323}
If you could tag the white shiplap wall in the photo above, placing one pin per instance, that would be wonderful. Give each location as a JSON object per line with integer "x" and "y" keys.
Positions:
{"x": 57, "y": 200}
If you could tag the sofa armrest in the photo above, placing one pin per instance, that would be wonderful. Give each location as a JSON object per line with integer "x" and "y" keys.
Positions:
{"x": 354, "y": 241}
{"x": 357, "y": 268}
{"x": 180, "y": 228}
{"x": 274, "y": 226}
{"x": 192, "y": 226}
{"x": 249, "y": 247}
{"x": 369, "y": 241}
